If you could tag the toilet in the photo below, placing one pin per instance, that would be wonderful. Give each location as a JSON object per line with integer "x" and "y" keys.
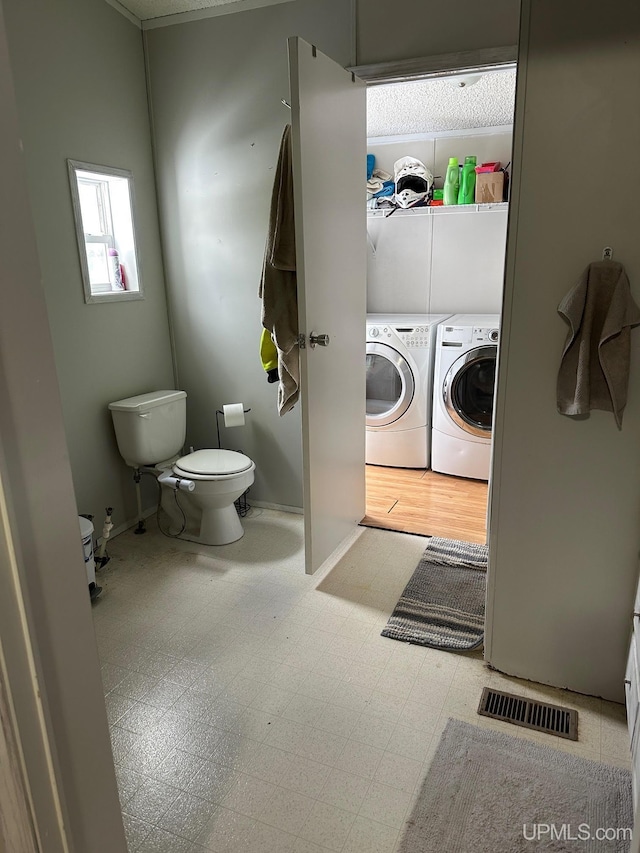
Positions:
{"x": 199, "y": 489}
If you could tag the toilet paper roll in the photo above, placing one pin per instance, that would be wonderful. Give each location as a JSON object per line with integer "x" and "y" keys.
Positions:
{"x": 233, "y": 414}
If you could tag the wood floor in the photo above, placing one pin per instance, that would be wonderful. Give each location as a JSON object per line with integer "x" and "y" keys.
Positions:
{"x": 415, "y": 501}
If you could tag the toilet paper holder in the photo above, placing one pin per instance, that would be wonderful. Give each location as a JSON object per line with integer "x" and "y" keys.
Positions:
{"x": 221, "y": 412}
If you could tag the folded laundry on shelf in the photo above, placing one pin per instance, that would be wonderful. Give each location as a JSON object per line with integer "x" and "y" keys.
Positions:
{"x": 377, "y": 180}
{"x": 388, "y": 189}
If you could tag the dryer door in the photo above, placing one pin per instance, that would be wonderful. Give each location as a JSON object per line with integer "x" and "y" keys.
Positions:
{"x": 468, "y": 391}
{"x": 390, "y": 385}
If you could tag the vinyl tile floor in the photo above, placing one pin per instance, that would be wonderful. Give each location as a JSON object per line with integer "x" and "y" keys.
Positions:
{"x": 254, "y": 708}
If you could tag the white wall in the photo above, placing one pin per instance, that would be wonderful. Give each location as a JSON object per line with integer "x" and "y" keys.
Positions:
{"x": 399, "y": 263}
{"x": 565, "y": 512}
{"x": 216, "y": 86}
{"x": 80, "y": 87}
{"x": 467, "y": 262}
{"x": 445, "y": 261}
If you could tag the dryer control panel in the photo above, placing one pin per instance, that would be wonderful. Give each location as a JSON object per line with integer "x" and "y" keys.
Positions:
{"x": 486, "y": 335}
{"x": 411, "y": 336}
{"x": 415, "y": 336}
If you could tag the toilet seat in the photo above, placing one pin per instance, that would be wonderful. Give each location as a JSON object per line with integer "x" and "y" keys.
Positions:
{"x": 213, "y": 465}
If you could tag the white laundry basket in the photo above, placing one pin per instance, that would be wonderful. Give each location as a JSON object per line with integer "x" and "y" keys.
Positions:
{"x": 86, "y": 532}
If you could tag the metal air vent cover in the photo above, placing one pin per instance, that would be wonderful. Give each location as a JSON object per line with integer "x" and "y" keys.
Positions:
{"x": 540, "y": 716}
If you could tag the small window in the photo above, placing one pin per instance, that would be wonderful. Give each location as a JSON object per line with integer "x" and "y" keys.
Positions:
{"x": 103, "y": 210}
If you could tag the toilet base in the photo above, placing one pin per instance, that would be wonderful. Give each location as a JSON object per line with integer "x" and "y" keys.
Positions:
{"x": 219, "y": 527}
{"x": 213, "y": 526}
{"x": 206, "y": 515}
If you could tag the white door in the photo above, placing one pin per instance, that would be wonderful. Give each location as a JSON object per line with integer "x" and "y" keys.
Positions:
{"x": 328, "y": 119}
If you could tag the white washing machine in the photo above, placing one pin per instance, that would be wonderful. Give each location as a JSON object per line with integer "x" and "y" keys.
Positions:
{"x": 400, "y": 353}
{"x": 463, "y": 393}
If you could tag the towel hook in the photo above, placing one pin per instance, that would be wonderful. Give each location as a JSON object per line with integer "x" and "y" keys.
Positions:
{"x": 607, "y": 253}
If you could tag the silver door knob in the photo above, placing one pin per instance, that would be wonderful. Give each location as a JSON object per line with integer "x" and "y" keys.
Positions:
{"x": 320, "y": 340}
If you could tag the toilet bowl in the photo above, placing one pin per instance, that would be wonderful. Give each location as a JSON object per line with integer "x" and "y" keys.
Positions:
{"x": 219, "y": 478}
{"x": 197, "y": 490}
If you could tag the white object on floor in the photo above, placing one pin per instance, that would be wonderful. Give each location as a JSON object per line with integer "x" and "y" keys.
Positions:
{"x": 400, "y": 350}
{"x": 463, "y": 394}
{"x": 86, "y": 533}
{"x": 199, "y": 489}
{"x": 220, "y": 477}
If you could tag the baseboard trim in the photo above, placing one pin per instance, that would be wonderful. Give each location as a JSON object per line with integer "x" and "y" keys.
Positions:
{"x": 334, "y": 558}
{"x": 282, "y": 507}
{"x": 147, "y": 513}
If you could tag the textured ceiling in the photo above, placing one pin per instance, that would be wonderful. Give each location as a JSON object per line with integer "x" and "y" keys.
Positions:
{"x": 146, "y": 10}
{"x": 429, "y": 106}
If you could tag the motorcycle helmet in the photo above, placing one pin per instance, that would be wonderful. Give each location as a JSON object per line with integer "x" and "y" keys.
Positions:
{"x": 413, "y": 181}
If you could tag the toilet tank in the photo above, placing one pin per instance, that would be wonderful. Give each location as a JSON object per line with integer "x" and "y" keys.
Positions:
{"x": 150, "y": 428}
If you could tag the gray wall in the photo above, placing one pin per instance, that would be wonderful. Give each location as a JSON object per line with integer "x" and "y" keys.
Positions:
{"x": 389, "y": 30}
{"x": 80, "y": 86}
{"x": 566, "y": 498}
{"x": 47, "y": 643}
{"x": 216, "y": 86}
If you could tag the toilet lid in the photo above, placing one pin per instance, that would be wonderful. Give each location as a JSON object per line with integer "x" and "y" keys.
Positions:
{"x": 205, "y": 462}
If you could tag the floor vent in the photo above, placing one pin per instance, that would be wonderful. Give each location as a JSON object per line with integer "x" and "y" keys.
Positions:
{"x": 551, "y": 719}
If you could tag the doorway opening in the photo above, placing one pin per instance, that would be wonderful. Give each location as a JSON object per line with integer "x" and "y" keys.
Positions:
{"x": 433, "y": 266}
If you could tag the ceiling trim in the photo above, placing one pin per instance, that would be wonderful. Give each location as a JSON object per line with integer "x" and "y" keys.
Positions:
{"x": 211, "y": 12}
{"x": 444, "y": 65}
{"x": 127, "y": 14}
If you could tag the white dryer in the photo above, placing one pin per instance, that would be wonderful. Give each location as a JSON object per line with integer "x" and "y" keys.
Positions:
{"x": 463, "y": 393}
{"x": 400, "y": 353}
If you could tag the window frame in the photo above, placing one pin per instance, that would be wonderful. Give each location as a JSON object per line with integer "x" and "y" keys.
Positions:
{"x": 96, "y": 296}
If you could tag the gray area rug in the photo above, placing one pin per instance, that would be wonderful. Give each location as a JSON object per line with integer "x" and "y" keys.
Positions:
{"x": 443, "y": 604}
{"x": 487, "y": 792}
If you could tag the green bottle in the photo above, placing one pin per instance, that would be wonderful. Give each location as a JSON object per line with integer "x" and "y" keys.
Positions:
{"x": 452, "y": 182}
{"x": 467, "y": 190}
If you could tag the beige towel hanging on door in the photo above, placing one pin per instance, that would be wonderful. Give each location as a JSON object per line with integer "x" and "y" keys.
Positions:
{"x": 594, "y": 370}
{"x": 279, "y": 286}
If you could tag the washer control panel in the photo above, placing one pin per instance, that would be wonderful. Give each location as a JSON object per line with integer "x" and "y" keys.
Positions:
{"x": 481, "y": 335}
{"x": 411, "y": 336}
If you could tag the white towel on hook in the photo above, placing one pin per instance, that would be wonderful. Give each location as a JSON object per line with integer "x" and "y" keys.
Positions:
{"x": 594, "y": 369}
